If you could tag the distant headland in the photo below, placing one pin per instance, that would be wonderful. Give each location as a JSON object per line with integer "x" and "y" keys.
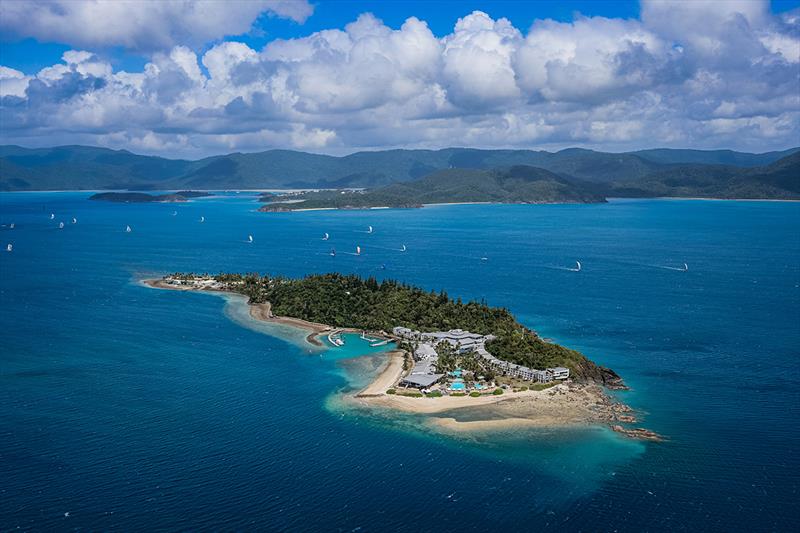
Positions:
{"x": 141, "y": 197}
{"x": 448, "y": 354}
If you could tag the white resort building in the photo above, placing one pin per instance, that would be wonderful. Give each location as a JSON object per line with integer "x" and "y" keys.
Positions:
{"x": 425, "y": 357}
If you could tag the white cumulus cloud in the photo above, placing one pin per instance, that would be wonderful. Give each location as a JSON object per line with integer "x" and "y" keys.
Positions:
{"x": 728, "y": 77}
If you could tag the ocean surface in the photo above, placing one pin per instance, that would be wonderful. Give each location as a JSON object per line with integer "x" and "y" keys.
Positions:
{"x": 124, "y": 408}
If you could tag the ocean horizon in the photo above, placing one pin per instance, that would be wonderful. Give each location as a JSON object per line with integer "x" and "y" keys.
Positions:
{"x": 127, "y": 408}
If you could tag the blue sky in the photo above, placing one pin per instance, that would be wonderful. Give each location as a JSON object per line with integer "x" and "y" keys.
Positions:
{"x": 339, "y": 76}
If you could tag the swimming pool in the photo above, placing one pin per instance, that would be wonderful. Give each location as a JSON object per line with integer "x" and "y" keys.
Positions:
{"x": 457, "y": 386}
{"x": 457, "y": 373}
{"x": 478, "y": 386}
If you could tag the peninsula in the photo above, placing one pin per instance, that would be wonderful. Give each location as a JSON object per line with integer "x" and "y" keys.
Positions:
{"x": 450, "y": 354}
{"x": 141, "y": 197}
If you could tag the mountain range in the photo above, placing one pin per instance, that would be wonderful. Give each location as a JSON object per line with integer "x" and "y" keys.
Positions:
{"x": 582, "y": 173}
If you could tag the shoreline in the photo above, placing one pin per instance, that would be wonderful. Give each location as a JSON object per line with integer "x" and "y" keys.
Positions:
{"x": 563, "y": 405}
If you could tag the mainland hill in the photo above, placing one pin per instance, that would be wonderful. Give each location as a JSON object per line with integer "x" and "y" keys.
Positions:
{"x": 662, "y": 172}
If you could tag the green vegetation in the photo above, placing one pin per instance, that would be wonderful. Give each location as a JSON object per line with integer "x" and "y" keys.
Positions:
{"x": 475, "y": 394}
{"x": 497, "y": 392}
{"x": 435, "y": 394}
{"x": 350, "y": 301}
{"x": 391, "y": 391}
{"x": 518, "y": 184}
{"x": 141, "y": 197}
{"x": 458, "y": 394}
{"x": 543, "y": 386}
{"x": 623, "y": 174}
{"x": 411, "y": 394}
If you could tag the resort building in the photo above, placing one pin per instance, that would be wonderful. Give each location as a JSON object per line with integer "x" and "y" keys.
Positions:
{"x": 559, "y": 372}
{"x": 463, "y": 341}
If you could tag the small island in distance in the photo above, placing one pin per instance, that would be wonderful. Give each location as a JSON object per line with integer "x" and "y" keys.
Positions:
{"x": 142, "y": 197}
{"x": 450, "y": 354}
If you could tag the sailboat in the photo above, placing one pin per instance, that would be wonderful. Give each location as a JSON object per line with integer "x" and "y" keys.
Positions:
{"x": 369, "y": 229}
{"x": 326, "y": 237}
{"x": 333, "y": 252}
{"x": 11, "y": 226}
{"x": 9, "y": 247}
{"x": 577, "y": 267}
{"x": 249, "y": 238}
{"x": 358, "y": 250}
{"x": 74, "y": 220}
{"x": 685, "y": 267}
{"x": 202, "y": 219}
{"x": 128, "y": 229}
{"x": 52, "y": 216}
{"x": 174, "y": 213}
{"x": 403, "y": 249}
{"x": 60, "y": 225}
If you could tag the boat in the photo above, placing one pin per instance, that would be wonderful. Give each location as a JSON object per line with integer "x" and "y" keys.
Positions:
{"x": 52, "y": 216}
{"x": 202, "y": 219}
{"x": 11, "y": 226}
{"x": 74, "y": 220}
{"x": 369, "y": 229}
{"x": 333, "y": 252}
{"x": 383, "y": 266}
{"x": 685, "y": 267}
{"x": 384, "y": 342}
{"x": 60, "y": 225}
{"x": 128, "y": 229}
{"x": 335, "y": 339}
{"x": 326, "y": 237}
{"x": 577, "y": 267}
{"x": 484, "y": 258}
{"x": 403, "y": 249}
{"x": 174, "y": 213}
{"x": 358, "y": 250}
{"x": 9, "y": 247}
{"x": 249, "y": 238}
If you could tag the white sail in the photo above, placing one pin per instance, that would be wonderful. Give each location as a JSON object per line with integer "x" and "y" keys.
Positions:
{"x": 9, "y": 247}
{"x": 174, "y": 213}
{"x": 249, "y": 238}
{"x": 685, "y": 267}
{"x": 128, "y": 229}
{"x": 358, "y": 250}
{"x": 12, "y": 225}
{"x": 369, "y": 229}
{"x": 52, "y": 216}
{"x": 326, "y": 237}
{"x": 578, "y": 268}
{"x": 60, "y": 225}
{"x": 202, "y": 219}
{"x": 403, "y": 249}
{"x": 333, "y": 252}
{"x": 74, "y": 220}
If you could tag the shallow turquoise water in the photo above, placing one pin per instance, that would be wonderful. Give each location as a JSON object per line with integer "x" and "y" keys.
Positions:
{"x": 132, "y": 408}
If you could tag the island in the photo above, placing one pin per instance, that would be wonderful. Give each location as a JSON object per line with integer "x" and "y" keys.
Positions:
{"x": 520, "y": 184}
{"x": 449, "y": 354}
{"x": 141, "y": 197}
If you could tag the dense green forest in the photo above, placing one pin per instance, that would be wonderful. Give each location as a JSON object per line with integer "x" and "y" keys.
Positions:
{"x": 350, "y": 301}
{"x": 517, "y": 184}
{"x": 85, "y": 167}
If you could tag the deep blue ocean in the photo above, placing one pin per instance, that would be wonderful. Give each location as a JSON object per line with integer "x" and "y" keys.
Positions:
{"x": 125, "y": 408}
